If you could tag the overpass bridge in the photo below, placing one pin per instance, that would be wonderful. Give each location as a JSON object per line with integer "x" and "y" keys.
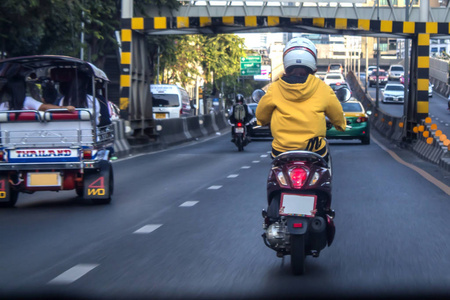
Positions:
{"x": 417, "y": 23}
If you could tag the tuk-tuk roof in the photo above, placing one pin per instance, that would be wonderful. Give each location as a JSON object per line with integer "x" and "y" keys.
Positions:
{"x": 42, "y": 61}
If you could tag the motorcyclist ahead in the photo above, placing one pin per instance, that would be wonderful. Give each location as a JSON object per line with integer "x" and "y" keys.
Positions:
{"x": 297, "y": 104}
{"x": 240, "y": 112}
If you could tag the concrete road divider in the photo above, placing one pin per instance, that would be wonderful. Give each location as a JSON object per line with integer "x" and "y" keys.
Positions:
{"x": 121, "y": 146}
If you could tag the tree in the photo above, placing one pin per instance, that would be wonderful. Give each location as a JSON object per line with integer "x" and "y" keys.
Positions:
{"x": 21, "y": 26}
{"x": 221, "y": 59}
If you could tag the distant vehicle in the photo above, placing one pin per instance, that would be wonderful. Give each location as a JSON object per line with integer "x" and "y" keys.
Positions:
{"x": 170, "y": 101}
{"x": 338, "y": 85}
{"x": 332, "y": 68}
{"x": 258, "y": 131}
{"x": 395, "y": 72}
{"x": 382, "y": 77}
{"x": 370, "y": 69}
{"x": 430, "y": 89}
{"x": 320, "y": 75}
{"x": 393, "y": 93}
{"x": 334, "y": 78}
{"x": 357, "y": 123}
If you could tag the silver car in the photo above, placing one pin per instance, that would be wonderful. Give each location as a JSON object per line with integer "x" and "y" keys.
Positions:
{"x": 395, "y": 72}
{"x": 393, "y": 93}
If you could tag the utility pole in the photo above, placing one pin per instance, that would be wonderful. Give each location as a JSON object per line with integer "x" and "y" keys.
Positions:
{"x": 378, "y": 59}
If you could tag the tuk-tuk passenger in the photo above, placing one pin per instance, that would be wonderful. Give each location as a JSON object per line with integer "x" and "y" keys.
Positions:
{"x": 77, "y": 96}
{"x": 13, "y": 97}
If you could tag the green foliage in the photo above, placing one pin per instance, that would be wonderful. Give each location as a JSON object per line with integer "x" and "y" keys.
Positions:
{"x": 183, "y": 57}
{"x": 30, "y": 27}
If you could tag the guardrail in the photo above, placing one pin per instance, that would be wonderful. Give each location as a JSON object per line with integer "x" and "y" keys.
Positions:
{"x": 170, "y": 132}
{"x": 430, "y": 143}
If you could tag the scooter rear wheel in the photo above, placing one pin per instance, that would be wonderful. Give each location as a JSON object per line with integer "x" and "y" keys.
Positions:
{"x": 298, "y": 256}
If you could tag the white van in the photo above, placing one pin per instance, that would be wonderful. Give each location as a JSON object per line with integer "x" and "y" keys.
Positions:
{"x": 170, "y": 101}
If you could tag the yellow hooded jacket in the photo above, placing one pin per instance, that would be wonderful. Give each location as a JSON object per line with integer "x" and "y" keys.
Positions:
{"x": 296, "y": 113}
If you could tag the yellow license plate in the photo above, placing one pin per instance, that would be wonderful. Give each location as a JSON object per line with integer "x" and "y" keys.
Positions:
{"x": 160, "y": 116}
{"x": 44, "y": 179}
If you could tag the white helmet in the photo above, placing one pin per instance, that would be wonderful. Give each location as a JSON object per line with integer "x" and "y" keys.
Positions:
{"x": 300, "y": 51}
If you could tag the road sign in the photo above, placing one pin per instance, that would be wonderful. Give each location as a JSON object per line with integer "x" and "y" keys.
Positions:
{"x": 251, "y": 65}
{"x": 251, "y": 59}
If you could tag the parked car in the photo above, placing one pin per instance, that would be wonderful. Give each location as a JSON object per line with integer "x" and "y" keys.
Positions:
{"x": 395, "y": 72}
{"x": 382, "y": 77}
{"x": 357, "y": 122}
{"x": 333, "y": 78}
{"x": 393, "y": 93}
{"x": 335, "y": 68}
{"x": 257, "y": 130}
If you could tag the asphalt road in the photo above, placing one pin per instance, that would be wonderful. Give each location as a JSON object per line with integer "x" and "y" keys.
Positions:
{"x": 186, "y": 223}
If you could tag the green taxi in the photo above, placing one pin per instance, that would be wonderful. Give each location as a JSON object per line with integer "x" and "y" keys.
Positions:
{"x": 358, "y": 126}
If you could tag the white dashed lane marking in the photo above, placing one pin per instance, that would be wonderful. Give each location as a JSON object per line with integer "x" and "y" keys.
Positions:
{"x": 245, "y": 167}
{"x": 188, "y": 203}
{"x": 148, "y": 228}
{"x": 214, "y": 187}
{"x": 232, "y": 175}
{"x": 73, "y": 274}
{"x": 255, "y": 161}
{"x": 264, "y": 155}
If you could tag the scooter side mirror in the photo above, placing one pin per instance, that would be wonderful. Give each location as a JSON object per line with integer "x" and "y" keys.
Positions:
{"x": 343, "y": 94}
{"x": 257, "y": 95}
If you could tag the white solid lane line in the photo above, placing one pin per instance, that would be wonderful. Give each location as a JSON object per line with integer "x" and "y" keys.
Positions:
{"x": 232, "y": 175}
{"x": 214, "y": 187}
{"x": 73, "y": 274}
{"x": 148, "y": 228}
{"x": 188, "y": 203}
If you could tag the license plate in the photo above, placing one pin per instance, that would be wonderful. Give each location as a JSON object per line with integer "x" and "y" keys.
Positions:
{"x": 239, "y": 130}
{"x": 160, "y": 116}
{"x": 298, "y": 205}
{"x": 44, "y": 179}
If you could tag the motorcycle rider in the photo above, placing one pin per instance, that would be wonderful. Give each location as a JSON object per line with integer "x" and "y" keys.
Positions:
{"x": 297, "y": 104}
{"x": 248, "y": 116}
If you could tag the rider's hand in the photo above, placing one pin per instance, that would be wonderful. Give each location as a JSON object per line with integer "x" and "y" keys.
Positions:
{"x": 70, "y": 108}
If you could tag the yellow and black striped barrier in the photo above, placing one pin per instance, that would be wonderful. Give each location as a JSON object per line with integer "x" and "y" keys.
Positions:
{"x": 417, "y": 30}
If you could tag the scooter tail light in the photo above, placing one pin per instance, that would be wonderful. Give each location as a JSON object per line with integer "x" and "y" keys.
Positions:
{"x": 239, "y": 124}
{"x": 298, "y": 177}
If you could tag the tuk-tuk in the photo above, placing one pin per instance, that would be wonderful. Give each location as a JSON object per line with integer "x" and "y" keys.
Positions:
{"x": 56, "y": 149}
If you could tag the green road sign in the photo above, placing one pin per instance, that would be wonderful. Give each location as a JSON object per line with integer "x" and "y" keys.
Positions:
{"x": 251, "y": 59}
{"x": 250, "y": 65}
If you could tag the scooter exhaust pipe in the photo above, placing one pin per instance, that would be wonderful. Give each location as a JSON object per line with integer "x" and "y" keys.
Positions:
{"x": 318, "y": 224}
